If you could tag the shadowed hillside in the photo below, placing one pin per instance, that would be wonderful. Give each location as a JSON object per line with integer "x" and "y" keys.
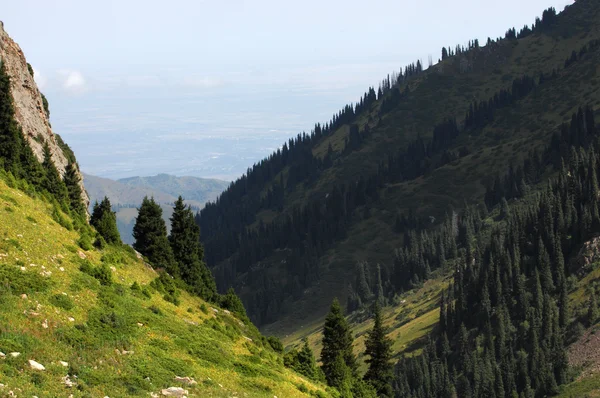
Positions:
{"x": 288, "y": 234}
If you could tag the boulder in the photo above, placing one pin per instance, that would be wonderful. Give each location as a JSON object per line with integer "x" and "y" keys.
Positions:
{"x": 589, "y": 253}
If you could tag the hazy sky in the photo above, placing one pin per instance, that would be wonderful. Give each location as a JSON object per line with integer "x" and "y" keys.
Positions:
{"x": 209, "y": 87}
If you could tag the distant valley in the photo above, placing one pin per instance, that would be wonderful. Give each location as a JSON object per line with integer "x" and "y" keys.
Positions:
{"x": 127, "y": 194}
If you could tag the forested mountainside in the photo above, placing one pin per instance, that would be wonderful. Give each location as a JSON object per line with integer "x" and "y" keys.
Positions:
{"x": 426, "y": 144}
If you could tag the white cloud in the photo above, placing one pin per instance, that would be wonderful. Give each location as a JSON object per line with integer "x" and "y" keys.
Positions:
{"x": 73, "y": 81}
{"x": 40, "y": 79}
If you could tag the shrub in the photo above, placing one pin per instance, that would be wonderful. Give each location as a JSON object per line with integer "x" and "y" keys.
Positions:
{"x": 100, "y": 243}
{"x": 275, "y": 344}
{"x": 166, "y": 285}
{"x": 155, "y": 310}
{"x": 12, "y": 280}
{"x": 302, "y": 388}
{"x": 102, "y": 272}
{"x": 85, "y": 242}
{"x": 62, "y": 301}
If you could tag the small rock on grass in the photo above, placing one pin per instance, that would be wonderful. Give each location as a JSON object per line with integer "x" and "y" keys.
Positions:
{"x": 36, "y": 365}
{"x": 174, "y": 392}
{"x": 186, "y": 380}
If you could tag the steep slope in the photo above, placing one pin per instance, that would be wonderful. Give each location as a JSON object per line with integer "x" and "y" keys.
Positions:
{"x": 288, "y": 233}
{"x": 98, "y": 312}
{"x": 31, "y": 108}
{"x": 126, "y": 195}
{"x": 529, "y": 292}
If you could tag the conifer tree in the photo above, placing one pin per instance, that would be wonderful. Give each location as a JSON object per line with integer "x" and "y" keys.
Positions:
{"x": 105, "y": 221}
{"x": 379, "y": 296}
{"x": 306, "y": 362}
{"x": 188, "y": 252}
{"x": 150, "y": 233}
{"x": 10, "y": 136}
{"x": 379, "y": 349}
{"x": 52, "y": 181}
{"x": 362, "y": 285}
{"x": 232, "y": 302}
{"x": 72, "y": 181}
{"x": 337, "y": 358}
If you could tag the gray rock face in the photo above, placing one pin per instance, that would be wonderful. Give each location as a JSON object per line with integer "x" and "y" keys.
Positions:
{"x": 29, "y": 108}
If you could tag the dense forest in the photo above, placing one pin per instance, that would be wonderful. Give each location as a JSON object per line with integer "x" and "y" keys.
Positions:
{"x": 506, "y": 319}
{"x": 241, "y": 244}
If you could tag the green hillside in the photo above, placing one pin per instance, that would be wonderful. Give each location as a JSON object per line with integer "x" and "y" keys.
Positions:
{"x": 289, "y": 233}
{"x": 114, "y": 332}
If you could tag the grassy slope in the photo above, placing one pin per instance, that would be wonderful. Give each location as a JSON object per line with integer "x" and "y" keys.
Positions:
{"x": 165, "y": 340}
{"x": 442, "y": 92}
{"x": 409, "y": 320}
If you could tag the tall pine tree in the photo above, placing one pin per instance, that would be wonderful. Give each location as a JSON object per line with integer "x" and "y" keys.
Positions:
{"x": 150, "y": 233}
{"x": 105, "y": 221}
{"x": 52, "y": 181}
{"x": 379, "y": 349}
{"x": 188, "y": 252}
{"x": 72, "y": 181}
{"x": 338, "y": 361}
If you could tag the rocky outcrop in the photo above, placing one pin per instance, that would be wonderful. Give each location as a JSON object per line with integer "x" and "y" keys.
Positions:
{"x": 588, "y": 254}
{"x": 29, "y": 107}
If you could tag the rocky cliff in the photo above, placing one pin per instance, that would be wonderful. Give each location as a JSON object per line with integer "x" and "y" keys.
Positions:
{"x": 29, "y": 107}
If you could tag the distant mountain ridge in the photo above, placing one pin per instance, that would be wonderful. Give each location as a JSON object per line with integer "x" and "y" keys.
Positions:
{"x": 193, "y": 189}
{"x": 127, "y": 194}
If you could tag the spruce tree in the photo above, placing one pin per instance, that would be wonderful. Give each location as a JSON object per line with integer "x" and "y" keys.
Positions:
{"x": 362, "y": 285}
{"x": 336, "y": 356}
{"x": 379, "y": 349}
{"x": 379, "y": 296}
{"x": 188, "y": 252}
{"x": 232, "y": 302}
{"x": 10, "y": 136}
{"x": 306, "y": 363}
{"x": 52, "y": 181}
{"x": 105, "y": 221}
{"x": 150, "y": 233}
{"x": 72, "y": 181}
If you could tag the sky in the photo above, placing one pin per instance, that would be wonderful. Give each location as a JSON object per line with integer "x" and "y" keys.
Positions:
{"x": 207, "y": 88}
